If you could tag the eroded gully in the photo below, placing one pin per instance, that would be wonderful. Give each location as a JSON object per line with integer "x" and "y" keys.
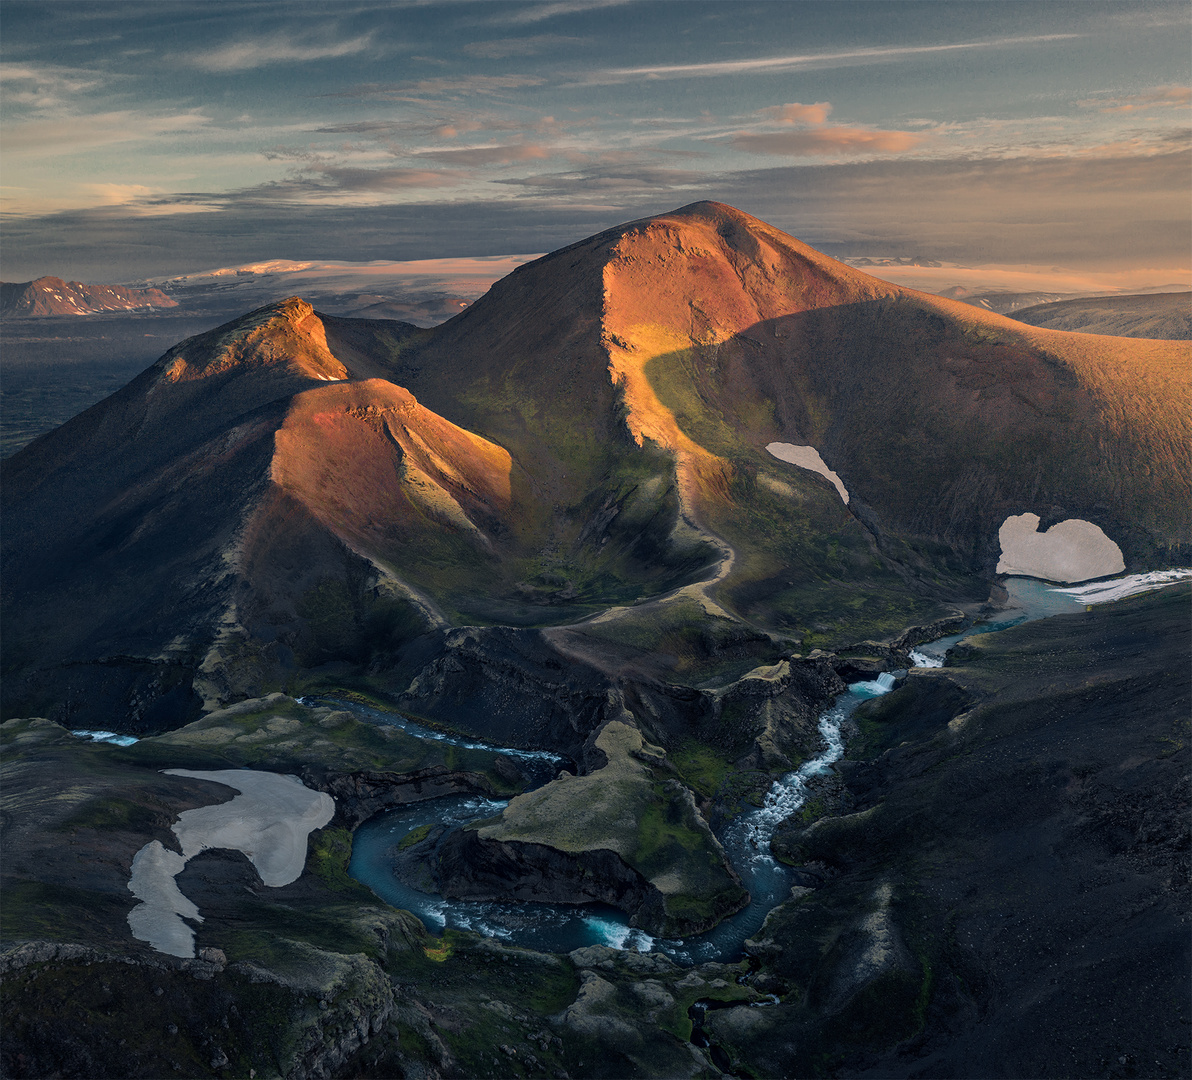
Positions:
{"x": 746, "y": 839}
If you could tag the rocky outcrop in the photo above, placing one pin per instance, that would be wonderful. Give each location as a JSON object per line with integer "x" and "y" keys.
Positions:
{"x": 914, "y": 635}
{"x": 360, "y": 795}
{"x": 627, "y": 834}
{"x": 513, "y": 687}
{"x": 236, "y": 1019}
{"x": 471, "y": 867}
{"x": 779, "y": 706}
{"x": 340, "y": 1013}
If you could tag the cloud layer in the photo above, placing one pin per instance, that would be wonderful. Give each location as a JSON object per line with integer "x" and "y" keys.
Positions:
{"x": 133, "y": 134}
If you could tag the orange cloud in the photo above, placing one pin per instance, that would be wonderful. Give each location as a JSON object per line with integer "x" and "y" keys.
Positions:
{"x": 794, "y": 113}
{"x": 831, "y": 140}
{"x": 1160, "y": 97}
{"x": 450, "y": 131}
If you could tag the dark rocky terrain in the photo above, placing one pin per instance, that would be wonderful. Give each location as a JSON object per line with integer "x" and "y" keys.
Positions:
{"x": 1004, "y": 888}
{"x": 995, "y": 883}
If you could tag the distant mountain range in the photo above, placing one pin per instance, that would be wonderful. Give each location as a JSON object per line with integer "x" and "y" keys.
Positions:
{"x": 53, "y": 296}
{"x": 424, "y": 293}
{"x": 1002, "y": 302}
{"x": 1154, "y": 315}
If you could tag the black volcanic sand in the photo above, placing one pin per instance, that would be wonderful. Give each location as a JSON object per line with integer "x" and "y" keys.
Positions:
{"x": 1008, "y": 894}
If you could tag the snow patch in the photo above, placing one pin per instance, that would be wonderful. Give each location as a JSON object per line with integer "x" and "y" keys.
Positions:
{"x": 1073, "y": 550}
{"x": 269, "y": 821}
{"x": 807, "y": 457}
{"x": 157, "y": 919}
{"x": 1104, "y": 591}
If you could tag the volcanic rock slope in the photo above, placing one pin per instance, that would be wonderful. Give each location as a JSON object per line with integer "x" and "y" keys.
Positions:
{"x": 291, "y": 489}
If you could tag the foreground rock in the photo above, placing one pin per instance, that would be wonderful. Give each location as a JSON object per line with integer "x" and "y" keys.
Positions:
{"x": 625, "y": 834}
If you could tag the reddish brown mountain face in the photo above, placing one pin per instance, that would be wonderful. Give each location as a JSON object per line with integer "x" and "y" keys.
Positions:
{"x": 53, "y": 296}
{"x": 590, "y": 434}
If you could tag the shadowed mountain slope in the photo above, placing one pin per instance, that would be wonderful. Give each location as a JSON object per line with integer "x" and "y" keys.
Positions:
{"x": 292, "y": 489}
{"x": 940, "y": 419}
{"x": 252, "y": 505}
{"x": 235, "y": 482}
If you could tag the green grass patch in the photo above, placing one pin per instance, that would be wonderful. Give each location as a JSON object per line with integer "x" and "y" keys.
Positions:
{"x": 113, "y": 812}
{"x": 698, "y": 647}
{"x": 440, "y": 952}
{"x": 414, "y": 836}
{"x": 267, "y": 933}
{"x": 58, "y": 912}
{"x": 552, "y": 989}
{"x": 702, "y": 768}
{"x": 675, "y": 1018}
{"x": 329, "y": 852}
{"x": 664, "y": 836}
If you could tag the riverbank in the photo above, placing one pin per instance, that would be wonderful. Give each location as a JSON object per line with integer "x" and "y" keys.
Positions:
{"x": 1006, "y": 879}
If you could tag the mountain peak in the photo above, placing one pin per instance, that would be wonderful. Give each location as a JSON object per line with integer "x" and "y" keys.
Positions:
{"x": 288, "y": 335}
{"x": 710, "y": 210}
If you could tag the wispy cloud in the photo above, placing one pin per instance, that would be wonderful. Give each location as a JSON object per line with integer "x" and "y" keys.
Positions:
{"x": 69, "y": 134}
{"x": 490, "y": 155}
{"x": 829, "y": 140}
{"x": 611, "y": 180}
{"x": 455, "y": 128}
{"x": 1162, "y": 97}
{"x": 45, "y": 87}
{"x": 440, "y": 85}
{"x": 503, "y": 48}
{"x": 282, "y": 49}
{"x": 770, "y": 64}
{"x": 336, "y": 179}
{"x": 540, "y": 11}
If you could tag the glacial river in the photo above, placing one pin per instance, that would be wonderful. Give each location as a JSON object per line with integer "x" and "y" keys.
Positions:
{"x": 746, "y": 839}
{"x": 562, "y": 927}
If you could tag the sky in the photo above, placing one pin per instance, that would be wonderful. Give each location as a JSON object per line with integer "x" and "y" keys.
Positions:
{"x": 146, "y": 138}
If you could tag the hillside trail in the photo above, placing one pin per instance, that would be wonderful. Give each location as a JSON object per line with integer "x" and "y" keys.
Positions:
{"x": 699, "y": 591}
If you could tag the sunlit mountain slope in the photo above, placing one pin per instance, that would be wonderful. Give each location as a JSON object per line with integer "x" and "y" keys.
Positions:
{"x": 293, "y": 489}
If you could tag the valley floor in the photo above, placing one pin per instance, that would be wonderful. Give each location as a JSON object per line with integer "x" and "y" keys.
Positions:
{"x": 996, "y": 883}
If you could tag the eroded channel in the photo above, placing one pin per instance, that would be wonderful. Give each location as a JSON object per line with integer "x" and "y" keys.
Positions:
{"x": 561, "y": 927}
{"x": 746, "y": 839}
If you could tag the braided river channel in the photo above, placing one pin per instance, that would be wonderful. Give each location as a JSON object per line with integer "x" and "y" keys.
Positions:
{"x": 746, "y": 838}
